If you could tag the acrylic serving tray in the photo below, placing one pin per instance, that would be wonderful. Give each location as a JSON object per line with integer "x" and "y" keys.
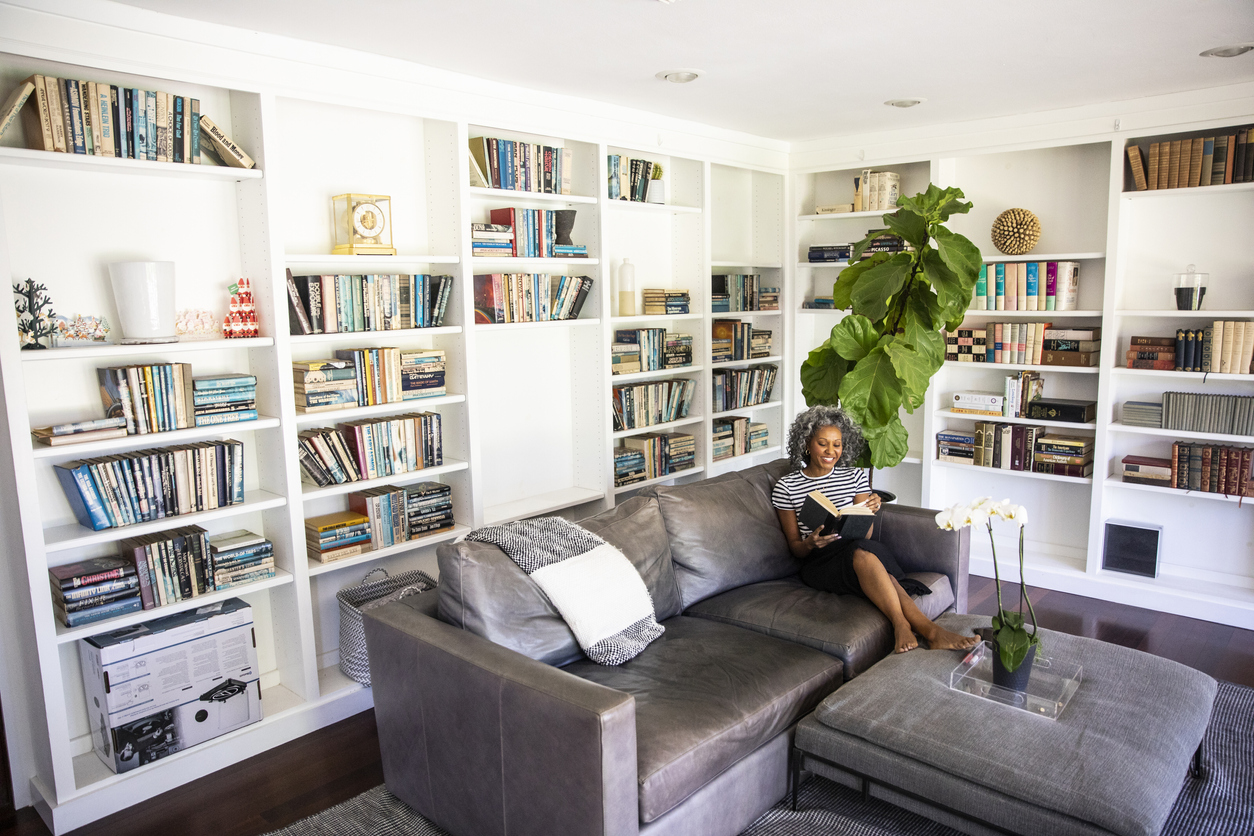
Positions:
{"x": 1050, "y": 686}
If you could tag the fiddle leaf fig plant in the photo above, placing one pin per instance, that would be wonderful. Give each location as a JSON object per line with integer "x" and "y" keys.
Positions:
{"x": 881, "y": 356}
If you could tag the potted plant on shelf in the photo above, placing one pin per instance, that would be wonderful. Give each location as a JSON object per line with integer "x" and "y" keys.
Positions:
{"x": 881, "y": 357}
{"x": 1014, "y": 648}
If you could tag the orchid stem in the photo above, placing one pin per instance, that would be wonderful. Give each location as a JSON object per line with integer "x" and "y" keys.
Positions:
{"x": 1023, "y": 587}
{"x": 996, "y": 573}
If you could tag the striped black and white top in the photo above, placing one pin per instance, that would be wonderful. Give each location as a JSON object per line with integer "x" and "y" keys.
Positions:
{"x": 840, "y": 486}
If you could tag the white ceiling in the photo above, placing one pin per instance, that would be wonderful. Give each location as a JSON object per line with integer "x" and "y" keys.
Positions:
{"x": 790, "y": 69}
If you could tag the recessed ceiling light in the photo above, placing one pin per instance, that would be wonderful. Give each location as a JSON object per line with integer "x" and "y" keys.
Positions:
{"x": 904, "y": 102}
{"x": 1227, "y": 51}
{"x": 680, "y": 76}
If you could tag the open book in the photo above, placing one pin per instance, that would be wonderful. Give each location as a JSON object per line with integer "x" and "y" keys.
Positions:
{"x": 852, "y": 523}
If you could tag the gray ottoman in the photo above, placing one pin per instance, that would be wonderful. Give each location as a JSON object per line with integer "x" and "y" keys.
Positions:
{"x": 1112, "y": 763}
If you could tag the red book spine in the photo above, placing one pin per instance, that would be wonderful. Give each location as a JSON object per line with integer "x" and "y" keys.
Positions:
{"x": 506, "y": 217}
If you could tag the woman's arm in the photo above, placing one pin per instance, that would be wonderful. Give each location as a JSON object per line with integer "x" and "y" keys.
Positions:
{"x": 801, "y": 547}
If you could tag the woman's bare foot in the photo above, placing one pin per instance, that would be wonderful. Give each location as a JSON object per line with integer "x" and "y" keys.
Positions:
{"x": 938, "y": 638}
{"x": 904, "y": 639}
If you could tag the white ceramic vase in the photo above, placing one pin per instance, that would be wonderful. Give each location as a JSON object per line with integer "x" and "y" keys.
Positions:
{"x": 144, "y": 294}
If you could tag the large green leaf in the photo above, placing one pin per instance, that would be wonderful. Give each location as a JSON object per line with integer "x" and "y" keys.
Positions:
{"x": 842, "y": 290}
{"x": 888, "y": 444}
{"x": 923, "y": 307}
{"x": 871, "y": 391}
{"x": 910, "y": 225}
{"x": 854, "y": 337}
{"x": 954, "y": 301}
{"x": 959, "y": 254}
{"x": 879, "y": 284}
{"x": 914, "y": 369}
{"x": 1012, "y": 645}
{"x": 821, "y": 375}
{"x": 936, "y": 204}
{"x": 929, "y": 344}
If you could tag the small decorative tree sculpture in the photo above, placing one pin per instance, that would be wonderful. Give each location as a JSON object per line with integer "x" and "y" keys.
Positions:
{"x": 35, "y": 317}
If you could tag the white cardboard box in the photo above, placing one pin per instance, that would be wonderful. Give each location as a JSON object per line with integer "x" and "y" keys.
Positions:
{"x": 170, "y": 683}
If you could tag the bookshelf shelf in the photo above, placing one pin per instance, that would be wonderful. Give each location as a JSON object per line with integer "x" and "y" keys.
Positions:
{"x": 627, "y": 320}
{"x": 526, "y": 265}
{"x": 1112, "y": 482}
{"x": 659, "y": 428}
{"x": 544, "y": 503}
{"x": 1164, "y": 314}
{"x": 310, "y": 492}
{"x": 773, "y": 265}
{"x": 1023, "y": 474}
{"x": 481, "y": 193}
{"x": 150, "y": 439}
{"x": 834, "y": 216}
{"x": 69, "y": 634}
{"x": 128, "y": 167}
{"x": 820, "y": 311}
{"x": 802, "y": 265}
{"x": 581, "y": 322}
{"x": 1041, "y": 315}
{"x": 765, "y": 451}
{"x": 1193, "y": 191}
{"x": 374, "y": 336}
{"x": 731, "y": 364}
{"x": 756, "y": 407}
{"x": 1218, "y": 438}
{"x": 72, "y": 536}
{"x": 333, "y": 682}
{"x": 1003, "y": 259}
{"x": 663, "y": 208}
{"x": 966, "y": 416}
{"x": 147, "y": 350}
{"x": 744, "y": 314}
{"x": 635, "y": 486}
{"x": 949, "y": 364}
{"x": 617, "y": 379}
{"x": 1203, "y": 376}
{"x": 337, "y": 415}
{"x": 369, "y": 264}
{"x": 316, "y": 568}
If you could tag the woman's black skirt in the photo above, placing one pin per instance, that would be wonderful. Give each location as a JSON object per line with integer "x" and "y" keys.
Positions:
{"x": 831, "y": 568}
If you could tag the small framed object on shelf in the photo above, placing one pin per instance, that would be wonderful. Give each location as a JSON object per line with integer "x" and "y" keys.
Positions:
{"x": 362, "y": 224}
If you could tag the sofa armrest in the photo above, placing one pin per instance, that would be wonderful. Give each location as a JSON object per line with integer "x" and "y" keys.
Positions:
{"x": 483, "y": 740}
{"x": 922, "y": 547}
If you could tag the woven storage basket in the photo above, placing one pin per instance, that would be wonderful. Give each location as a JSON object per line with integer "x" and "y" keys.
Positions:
{"x": 354, "y": 600}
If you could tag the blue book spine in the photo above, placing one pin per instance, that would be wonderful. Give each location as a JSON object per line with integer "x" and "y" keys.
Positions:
{"x": 111, "y": 610}
{"x": 176, "y": 155}
{"x": 1034, "y": 284}
{"x": 139, "y": 116}
{"x": 171, "y": 412}
{"x": 226, "y": 418}
{"x": 150, "y": 104}
{"x": 99, "y": 589}
{"x": 75, "y": 479}
{"x": 218, "y": 396}
{"x": 69, "y": 89}
{"x": 195, "y": 124}
{"x": 232, "y": 382}
{"x": 981, "y": 289}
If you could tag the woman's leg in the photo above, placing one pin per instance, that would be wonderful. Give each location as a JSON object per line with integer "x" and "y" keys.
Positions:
{"x": 882, "y": 590}
{"x": 938, "y": 638}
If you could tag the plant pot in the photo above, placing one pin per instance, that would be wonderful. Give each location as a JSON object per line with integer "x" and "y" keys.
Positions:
{"x": 656, "y": 192}
{"x": 563, "y": 223}
{"x": 1016, "y": 680}
{"x": 885, "y": 496}
{"x": 144, "y": 294}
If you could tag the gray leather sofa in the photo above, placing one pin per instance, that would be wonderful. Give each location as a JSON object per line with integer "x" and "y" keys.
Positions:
{"x": 491, "y": 721}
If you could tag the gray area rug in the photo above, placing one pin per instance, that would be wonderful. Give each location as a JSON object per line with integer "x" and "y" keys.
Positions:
{"x": 1220, "y": 803}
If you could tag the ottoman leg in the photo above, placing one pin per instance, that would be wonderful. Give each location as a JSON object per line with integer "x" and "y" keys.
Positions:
{"x": 794, "y": 773}
{"x": 1196, "y": 770}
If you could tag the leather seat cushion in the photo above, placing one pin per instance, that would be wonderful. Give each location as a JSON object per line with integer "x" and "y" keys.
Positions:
{"x": 848, "y": 627}
{"x": 707, "y": 695}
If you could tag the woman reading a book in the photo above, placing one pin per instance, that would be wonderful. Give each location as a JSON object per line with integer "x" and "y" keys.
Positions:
{"x": 822, "y": 444}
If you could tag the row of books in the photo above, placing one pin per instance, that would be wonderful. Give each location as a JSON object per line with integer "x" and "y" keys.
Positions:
{"x": 653, "y": 455}
{"x": 1194, "y": 466}
{"x": 1199, "y": 161}
{"x": 629, "y": 178}
{"x": 1224, "y": 347}
{"x": 737, "y": 436}
{"x": 1028, "y": 286}
{"x": 145, "y": 485}
{"x": 1029, "y": 343}
{"x": 529, "y": 297}
{"x": 368, "y": 376}
{"x": 639, "y": 405}
{"x": 522, "y": 166}
{"x": 1023, "y": 398}
{"x": 739, "y": 388}
{"x": 361, "y": 450}
{"x": 1016, "y": 447}
{"x": 1194, "y": 412}
{"x": 741, "y": 292}
{"x": 649, "y": 349}
{"x": 830, "y": 253}
{"x": 534, "y": 235}
{"x": 338, "y": 304}
{"x": 735, "y": 340}
{"x": 378, "y": 518}
{"x": 491, "y": 239}
{"x": 876, "y": 190}
{"x": 659, "y": 302}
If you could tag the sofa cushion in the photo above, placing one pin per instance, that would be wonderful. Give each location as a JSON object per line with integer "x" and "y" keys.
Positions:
{"x": 848, "y": 627}
{"x": 722, "y": 535}
{"x": 707, "y": 695}
{"x": 764, "y": 476}
{"x": 636, "y": 529}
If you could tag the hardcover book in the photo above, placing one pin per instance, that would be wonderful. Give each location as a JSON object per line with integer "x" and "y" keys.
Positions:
{"x": 851, "y": 523}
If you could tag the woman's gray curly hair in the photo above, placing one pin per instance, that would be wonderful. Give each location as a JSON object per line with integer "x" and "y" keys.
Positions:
{"x": 807, "y": 423}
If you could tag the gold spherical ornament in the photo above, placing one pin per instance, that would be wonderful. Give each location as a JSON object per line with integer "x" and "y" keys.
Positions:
{"x": 1016, "y": 231}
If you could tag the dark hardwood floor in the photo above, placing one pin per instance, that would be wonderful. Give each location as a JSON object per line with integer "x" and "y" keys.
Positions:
{"x": 334, "y": 764}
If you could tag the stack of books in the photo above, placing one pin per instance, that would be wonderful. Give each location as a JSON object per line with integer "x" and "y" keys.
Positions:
{"x": 534, "y": 234}
{"x": 649, "y": 345}
{"x": 1063, "y": 455}
{"x": 394, "y": 375}
{"x": 224, "y": 399}
{"x": 955, "y": 446}
{"x": 172, "y": 566}
{"x": 1016, "y": 447}
{"x": 1028, "y": 286}
{"x": 1160, "y": 353}
{"x": 331, "y": 537}
{"x": 521, "y": 166}
{"x": 1211, "y": 468}
{"x": 820, "y": 303}
{"x": 971, "y": 402}
{"x": 629, "y": 178}
{"x": 735, "y": 340}
{"x": 742, "y": 292}
{"x": 153, "y": 399}
{"x": 1195, "y": 412}
{"x": 967, "y": 345}
{"x": 1072, "y": 410}
{"x": 1143, "y": 414}
{"x": 324, "y": 385}
{"x": 760, "y": 344}
{"x": 146, "y": 485}
{"x": 335, "y": 304}
{"x": 386, "y": 507}
{"x": 737, "y": 436}
{"x": 739, "y": 388}
{"x": 874, "y": 191}
{"x": 81, "y": 432}
{"x": 1026, "y": 343}
{"x": 240, "y": 557}
{"x": 360, "y": 450}
{"x": 1196, "y": 161}
{"x": 663, "y": 453}
{"x": 624, "y": 358}
{"x": 829, "y": 253}
{"x": 1147, "y": 470}
{"x": 678, "y": 351}
{"x": 492, "y": 239}
{"x": 665, "y": 302}
{"x": 629, "y": 466}
{"x": 428, "y": 508}
{"x": 657, "y": 402}
{"x": 529, "y": 297}
{"x": 94, "y": 589}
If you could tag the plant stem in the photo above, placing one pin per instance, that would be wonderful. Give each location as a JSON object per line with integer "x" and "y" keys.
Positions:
{"x": 1023, "y": 587}
{"x": 996, "y": 574}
